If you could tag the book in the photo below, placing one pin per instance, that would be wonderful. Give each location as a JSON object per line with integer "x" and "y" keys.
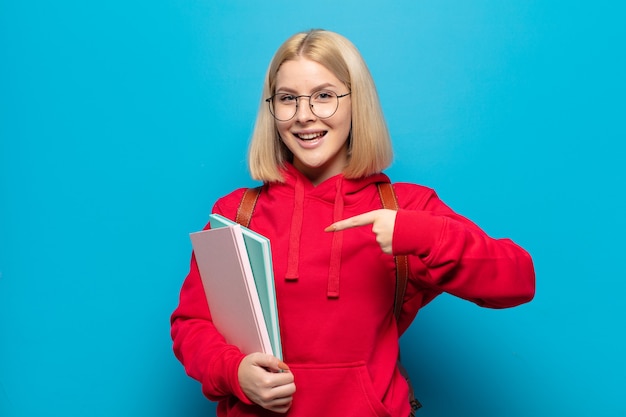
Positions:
{"x": 230, "y": 289}
{"x": 260, "y": 256}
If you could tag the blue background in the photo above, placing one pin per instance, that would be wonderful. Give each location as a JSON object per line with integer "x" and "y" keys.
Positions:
{"x": 122, "y": 122}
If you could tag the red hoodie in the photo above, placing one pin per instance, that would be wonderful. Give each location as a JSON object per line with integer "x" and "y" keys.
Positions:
{"x": 335, "y": 293}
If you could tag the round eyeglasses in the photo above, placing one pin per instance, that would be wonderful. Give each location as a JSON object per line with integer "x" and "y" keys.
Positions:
{"x": 323, "y": 104}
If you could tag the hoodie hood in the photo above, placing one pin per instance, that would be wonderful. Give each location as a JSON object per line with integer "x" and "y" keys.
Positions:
{"x": 340, "y": 192}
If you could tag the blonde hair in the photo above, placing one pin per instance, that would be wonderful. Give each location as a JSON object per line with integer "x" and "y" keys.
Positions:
{"x": 369, "y": 142}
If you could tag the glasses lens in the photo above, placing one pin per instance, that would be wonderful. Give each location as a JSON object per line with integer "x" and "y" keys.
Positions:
{"x": 324, "y": 103}
{"x": 284, "y": 106}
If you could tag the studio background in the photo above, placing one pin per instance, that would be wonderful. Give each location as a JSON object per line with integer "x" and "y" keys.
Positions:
{"x": 122, "y": 122}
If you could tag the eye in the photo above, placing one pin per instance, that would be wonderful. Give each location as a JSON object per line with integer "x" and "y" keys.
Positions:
{"x": 324, "y": 96}
{"x": 284, "y": 98}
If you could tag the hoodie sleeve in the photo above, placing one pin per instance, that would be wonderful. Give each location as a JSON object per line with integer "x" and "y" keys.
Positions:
{"x": 460, "y": 258}
{"x": 200, "y": 347}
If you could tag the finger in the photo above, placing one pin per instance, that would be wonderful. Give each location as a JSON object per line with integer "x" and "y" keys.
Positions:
{"x": 356, "y": 221}
{"x": 282, "y": 366}
{"x": 269, "y": 362}
{"x": 283, "y": 393}
{"x": 283, "y": 397}
{"x": 282, "y": 409}
{"x": 281, "y": 379}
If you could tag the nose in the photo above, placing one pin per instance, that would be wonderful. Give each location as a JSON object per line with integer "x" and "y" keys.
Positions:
{"x": 303, "y": 110}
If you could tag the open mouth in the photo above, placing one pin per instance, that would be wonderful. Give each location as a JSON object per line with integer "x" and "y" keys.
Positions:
{"x": 310, "y": 136}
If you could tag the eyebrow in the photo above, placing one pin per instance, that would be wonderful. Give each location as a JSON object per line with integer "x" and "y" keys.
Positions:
{"x": 318, "y": 88}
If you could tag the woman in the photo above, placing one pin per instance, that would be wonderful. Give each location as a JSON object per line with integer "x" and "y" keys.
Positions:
{"x": 319, "y": 145}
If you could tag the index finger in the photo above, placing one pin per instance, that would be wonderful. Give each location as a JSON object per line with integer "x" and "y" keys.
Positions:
{"x": 355, "y": 221}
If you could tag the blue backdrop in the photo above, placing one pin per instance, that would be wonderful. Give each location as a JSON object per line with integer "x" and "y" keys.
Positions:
{"x": 122, "y": 122}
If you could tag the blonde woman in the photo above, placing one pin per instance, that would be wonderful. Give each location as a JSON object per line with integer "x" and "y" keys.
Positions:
{"x": 320, "y": 145}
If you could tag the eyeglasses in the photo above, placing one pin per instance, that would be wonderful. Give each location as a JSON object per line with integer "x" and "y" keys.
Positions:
{"x": 323, "y": 104}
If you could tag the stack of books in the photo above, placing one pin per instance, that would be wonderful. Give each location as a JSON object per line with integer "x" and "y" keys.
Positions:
{"x": 235, "y": 266}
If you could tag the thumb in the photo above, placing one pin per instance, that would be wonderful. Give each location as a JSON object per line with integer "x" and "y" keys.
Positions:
{"x": 269, "y": 362}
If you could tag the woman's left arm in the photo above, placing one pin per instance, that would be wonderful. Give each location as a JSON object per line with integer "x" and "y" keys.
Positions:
{"x": 461, "y": 258}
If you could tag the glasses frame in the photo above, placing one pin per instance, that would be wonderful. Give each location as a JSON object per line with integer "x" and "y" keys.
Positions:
{"x": 270, "y": 101}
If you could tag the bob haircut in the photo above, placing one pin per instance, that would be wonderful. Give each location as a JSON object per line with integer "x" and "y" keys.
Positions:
{"x": 369, "y": 144}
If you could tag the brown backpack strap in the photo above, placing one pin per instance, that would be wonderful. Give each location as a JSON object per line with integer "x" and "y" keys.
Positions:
{"x": 246, "y": 206}
{"x": 388, "y": 198}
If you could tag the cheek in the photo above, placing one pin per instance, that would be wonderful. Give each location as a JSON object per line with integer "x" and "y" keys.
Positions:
{"x": 344, "y": 121}
{"x": 344, "y": 124}
{"x": 282, "y": 131}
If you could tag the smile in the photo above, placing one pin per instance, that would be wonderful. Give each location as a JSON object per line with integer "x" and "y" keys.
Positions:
{"x": 310, "y": 136}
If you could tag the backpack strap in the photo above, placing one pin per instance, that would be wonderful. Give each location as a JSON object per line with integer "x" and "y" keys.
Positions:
{"x": 389, "y": 200}
{"x": 246, "y": 206}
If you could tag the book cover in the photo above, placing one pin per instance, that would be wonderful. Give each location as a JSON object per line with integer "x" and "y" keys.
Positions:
{"x": 230, "y": 289}
{"x": 260, "y": 255}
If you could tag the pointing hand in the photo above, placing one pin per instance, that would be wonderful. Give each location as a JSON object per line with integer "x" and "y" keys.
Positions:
{"x": 382, "y": 222}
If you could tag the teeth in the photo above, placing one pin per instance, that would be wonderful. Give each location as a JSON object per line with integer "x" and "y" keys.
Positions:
{"x": 309, "y": 136}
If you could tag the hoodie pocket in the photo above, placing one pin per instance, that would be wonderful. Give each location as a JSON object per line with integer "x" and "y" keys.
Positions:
{"x": 340, "y": 389}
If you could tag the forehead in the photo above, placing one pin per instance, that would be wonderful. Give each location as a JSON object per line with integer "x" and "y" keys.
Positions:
{"x": 303, "y": 74}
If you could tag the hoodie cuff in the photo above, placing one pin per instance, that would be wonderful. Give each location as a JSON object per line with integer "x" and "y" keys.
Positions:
{"x": 234, "y": 383}
{"x": 227, "y": 365}
{"x": 416, "y": 233}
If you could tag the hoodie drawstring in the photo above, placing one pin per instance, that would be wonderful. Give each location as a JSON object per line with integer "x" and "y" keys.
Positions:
{"x": 295, "y": 235}
{"x": 293, "y": 252}
{"x": 334, "y": 268}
